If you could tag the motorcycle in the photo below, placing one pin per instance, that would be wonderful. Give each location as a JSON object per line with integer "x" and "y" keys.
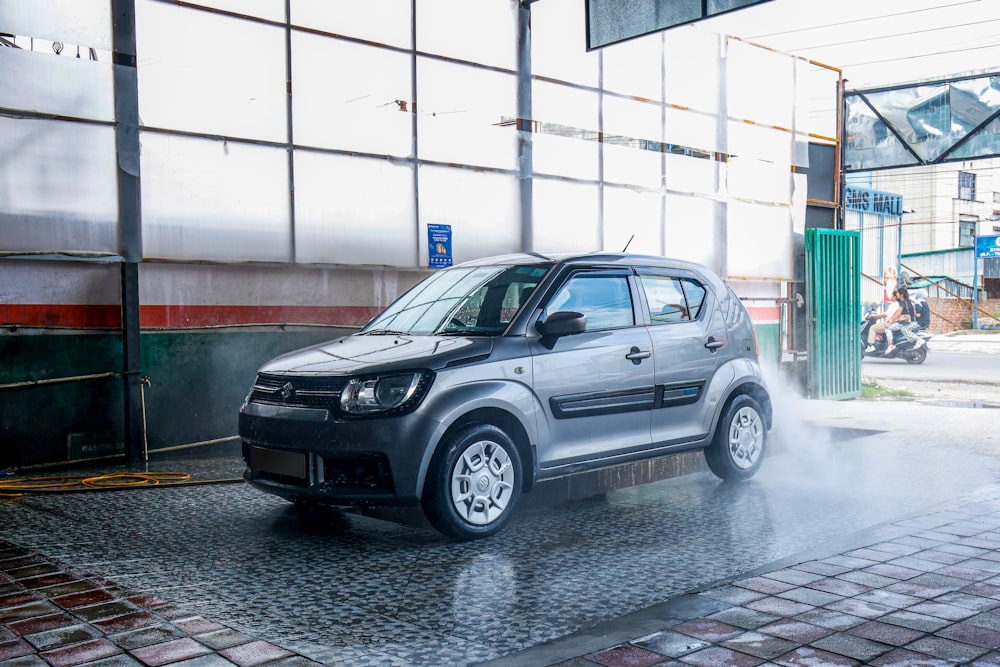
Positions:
{"x": 908, "y": 350}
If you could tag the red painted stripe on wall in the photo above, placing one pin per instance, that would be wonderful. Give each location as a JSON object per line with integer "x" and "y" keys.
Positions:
{"x": 74, "y": 316}
{"x": 70, "y": 316}
{"x": 180, "y": 317}
{"x": 764, "y": 313}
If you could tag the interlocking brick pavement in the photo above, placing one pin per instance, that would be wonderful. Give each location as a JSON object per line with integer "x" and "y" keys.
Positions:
{"x": 51, "y": 616}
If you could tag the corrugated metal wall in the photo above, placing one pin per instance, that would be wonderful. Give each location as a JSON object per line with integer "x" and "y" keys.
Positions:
{"x": 834, "y": 301}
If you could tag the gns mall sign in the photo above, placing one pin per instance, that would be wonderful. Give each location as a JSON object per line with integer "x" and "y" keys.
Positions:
{"x": 873, "y": 201}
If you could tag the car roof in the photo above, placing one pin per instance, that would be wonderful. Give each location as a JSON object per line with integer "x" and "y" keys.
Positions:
{"x": 587, "y": 258}
{"x": 605, "y": 258}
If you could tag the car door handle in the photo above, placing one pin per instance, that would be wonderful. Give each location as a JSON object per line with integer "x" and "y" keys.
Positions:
{"x": 713, "y": 344}
{"x": 635, "y": 354}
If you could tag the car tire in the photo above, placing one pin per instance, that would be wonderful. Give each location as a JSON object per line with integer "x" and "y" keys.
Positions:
{"x": 737, "y": 449}
{"x": 473, "y": 484}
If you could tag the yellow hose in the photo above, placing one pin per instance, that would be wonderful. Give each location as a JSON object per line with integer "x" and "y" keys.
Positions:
{"x": 14, "y": 488}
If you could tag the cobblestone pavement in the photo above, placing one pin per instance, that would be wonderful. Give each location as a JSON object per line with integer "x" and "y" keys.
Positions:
{"x": 921, "y": 591}
{"x": 218, "y": 574}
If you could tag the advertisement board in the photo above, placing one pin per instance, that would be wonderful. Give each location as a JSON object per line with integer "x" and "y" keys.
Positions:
{"x": 987, "y": 246}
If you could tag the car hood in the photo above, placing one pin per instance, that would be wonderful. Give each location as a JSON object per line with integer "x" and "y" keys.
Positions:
{"x": 377, "y": 354}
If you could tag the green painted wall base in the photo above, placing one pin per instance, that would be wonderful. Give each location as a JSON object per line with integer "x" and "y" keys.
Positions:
{"x": 768, "y": 341}
{"x": 198, "y": 380}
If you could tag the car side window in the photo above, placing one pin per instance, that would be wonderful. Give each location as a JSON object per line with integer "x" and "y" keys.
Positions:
{"x": 605, "y": 300}
{"x": 672, "y": 299}
{"x": 695, "y": 294}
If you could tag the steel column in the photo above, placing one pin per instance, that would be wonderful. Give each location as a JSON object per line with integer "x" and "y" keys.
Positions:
{"x": 126, "y": 91}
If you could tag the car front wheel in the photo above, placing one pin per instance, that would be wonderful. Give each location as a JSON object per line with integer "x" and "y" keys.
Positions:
{"x": 473, "y": 484}
{"x": 737, "y": 449}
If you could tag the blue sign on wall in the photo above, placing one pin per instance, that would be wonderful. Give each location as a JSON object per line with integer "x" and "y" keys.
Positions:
{"x": 438, "y": 246}
{"x": 873, "y": 201}
{"x": 987, "y": 246}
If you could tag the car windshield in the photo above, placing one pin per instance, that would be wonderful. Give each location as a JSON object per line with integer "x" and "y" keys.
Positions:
{"x": 476, "y": 301}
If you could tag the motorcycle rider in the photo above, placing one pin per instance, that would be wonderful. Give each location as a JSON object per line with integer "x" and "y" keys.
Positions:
{"x": 904, "y": 317}
{"x": 921, "y": 321}
{"x": 888, "y": 318}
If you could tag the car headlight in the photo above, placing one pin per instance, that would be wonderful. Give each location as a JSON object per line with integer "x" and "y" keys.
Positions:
{"x": 386, "y": 393}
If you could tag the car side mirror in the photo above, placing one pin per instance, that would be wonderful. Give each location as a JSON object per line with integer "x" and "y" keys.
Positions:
{"x": 563, "y": 323}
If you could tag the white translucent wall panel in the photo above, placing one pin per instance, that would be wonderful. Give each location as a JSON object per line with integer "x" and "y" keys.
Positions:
{"x": 562, "y": 156}
{"x": 691, "y": 61}
{"x": 760, "y": 143}
{"x": 804, "y": 103}
{"x": 816, "y": 99}
{"x": 630, "y": 213}
{"x": 480, "y": 32}
{"x": 352, "y": 210}
{"x": 56, "y": 84}
{"x": 225, "y": 76}
{"x": 351, "y": 96}
{"x": 633, "y": 166}
{"x": 760, "y": 163}
{"x": 460, "y": 108}
{"x": 801, "y": 156}
{"x": 760, "y": 243}
{"x": 83, "y": 22}
{"x": 628, "y": 117}
{"x": 690, "y": 174}
{"x": 273, "y": 10}
{"x": 483, "y": 209}
{"x": 692, "y": 129}
{"x": 213, "y": 200}
{"x": 58, "y": 186}
{"x": 565, "y": 216}
{"x": 564, "y": 105}
{"x": 382, "y": 21}
{"x": 760, "y": 84}
{"x": 760, "y": 181}
{"x": 691, "y": 229}
{"x": 800, "y": 192}
{"x": 635, "y": 67}
{"x": 565, "y": 150}
{"x": 556, "y": 51}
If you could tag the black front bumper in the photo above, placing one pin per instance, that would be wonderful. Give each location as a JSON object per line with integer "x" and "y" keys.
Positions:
{"x": 303, "y": 454}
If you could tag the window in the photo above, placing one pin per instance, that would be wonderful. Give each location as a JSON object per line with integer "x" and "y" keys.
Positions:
{"x": 967, "y": 231}
{"x": 672, "y": 299}
{"x": 604, "y": 299}
{"x": 966, "y": 186}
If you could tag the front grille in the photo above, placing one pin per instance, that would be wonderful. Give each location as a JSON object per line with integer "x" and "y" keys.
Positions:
{"x": 365, "y": 470}
{"x": 299, "y": 392}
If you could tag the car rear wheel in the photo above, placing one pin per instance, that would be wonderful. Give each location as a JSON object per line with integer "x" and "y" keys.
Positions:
{"x": 473, "y": 484}
{"x": 737, "y": 449}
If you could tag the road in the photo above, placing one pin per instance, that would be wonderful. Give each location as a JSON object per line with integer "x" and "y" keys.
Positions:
{"x": 945, "y": 375}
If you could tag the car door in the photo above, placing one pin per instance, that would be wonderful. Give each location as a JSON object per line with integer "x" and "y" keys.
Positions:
{"x": 690, "y": 345}
{"x": 596, "y": 387}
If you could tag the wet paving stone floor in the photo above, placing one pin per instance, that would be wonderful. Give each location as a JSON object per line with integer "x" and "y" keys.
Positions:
{"x": 878, "y": 549}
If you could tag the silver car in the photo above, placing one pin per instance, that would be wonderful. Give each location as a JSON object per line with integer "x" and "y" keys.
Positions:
{"x": 494, "y": 374}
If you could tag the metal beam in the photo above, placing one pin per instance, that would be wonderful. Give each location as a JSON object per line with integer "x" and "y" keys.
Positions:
{"x": 126, "y": 90}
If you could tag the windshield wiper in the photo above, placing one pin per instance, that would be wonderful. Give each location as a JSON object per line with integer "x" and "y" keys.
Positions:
{"x": 462, "y": 332}
{"x": 384, "y": 332}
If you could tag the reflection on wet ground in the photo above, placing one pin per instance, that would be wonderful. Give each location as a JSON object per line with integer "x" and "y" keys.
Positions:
{"x": 347, "y": 588}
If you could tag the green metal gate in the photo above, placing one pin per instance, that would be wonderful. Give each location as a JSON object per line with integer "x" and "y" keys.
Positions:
{"x": 833, "y": 294}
